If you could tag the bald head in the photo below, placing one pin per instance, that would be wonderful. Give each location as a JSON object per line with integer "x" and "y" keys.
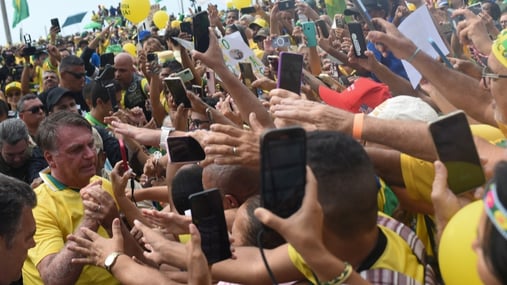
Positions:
{"x": 124, "y": 69}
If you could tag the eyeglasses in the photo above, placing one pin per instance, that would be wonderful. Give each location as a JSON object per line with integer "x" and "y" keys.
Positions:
{"x": 34, "y": 109}
{"x": 196, "y": 123}
{"x": 487, "y": 75}
{"x": 76, "y": 74}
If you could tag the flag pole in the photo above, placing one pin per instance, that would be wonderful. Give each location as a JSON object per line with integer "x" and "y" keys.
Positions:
{"x": 6, "y": 23}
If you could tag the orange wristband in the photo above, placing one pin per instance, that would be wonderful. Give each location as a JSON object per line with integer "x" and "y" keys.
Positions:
{"x": 357, "y": 126}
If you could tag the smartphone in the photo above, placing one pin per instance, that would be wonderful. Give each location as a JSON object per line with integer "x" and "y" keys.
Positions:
{"x": 286, "y": 5}
{"x": 184, "y": 149}
{"x": 310, "y": 33}
{"x": 56, "y": 23}
{"x": 106, "y": 58}
{"x": 200, "y": 24}
{"x": 456, "y": 149}
{"x": 123, "y": 152}
{"x": 357, "y": 38}
{"x": 281, "y": 41}
{"x": 339, "y": 21}
{"x": 210, "y": 81}
{"x": 273, "y": 61}
{"x": 283, "y": 170}
{"x": 198, "y": 90}
{"x": 442, "y": 56}
{"x": 247, "y": 10}
{"x": 208, "y": 216}
{"x": 186, "y": 27}
{"x": 247, "y": 74}
{"x": 151, "y": 57}
{"x": 475, "y": 8}
{"x": 364, "y": 14}
{"x": 178, "y": 91}
{"x": 185, "y": 75}
{"x": 324, "y": 31}
{"x": 290, "y": 68}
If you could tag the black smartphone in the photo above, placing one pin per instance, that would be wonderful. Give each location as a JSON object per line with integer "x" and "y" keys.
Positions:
{"x": 364, "y": 13}
{"x": 456, "y": 149}
{"x": 247, "y": 74}
{"x": 208, "y": 216}
{"x": 198, "y": 90}
{"x": 178, "y": 91}
{"x": 56, "y": 23}
{"x": 357, "y": 38}
{"x": 184, "y": 149}
{"x": 290, "y": 69}
{"x": 273, "y": 62}
{"x": 106, "y": 58}
{"x": 283, "y": 170}
{"x": 286, "y": 5}
{"x": 151, "y": 57}
{"x": 324, "y": 31}
{"x": 186, "y": 27}
{"x": 247, "y": 10}
{"x": 200, "y": 24}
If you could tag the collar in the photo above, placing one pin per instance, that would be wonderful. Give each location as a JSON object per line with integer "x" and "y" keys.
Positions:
{"x": 93, "y": 121}
{"x": 375, "y": 253}
{"x": 53, "y": 183}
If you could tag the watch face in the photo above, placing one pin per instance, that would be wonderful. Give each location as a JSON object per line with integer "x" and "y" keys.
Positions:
{"x": 110, "y": 259}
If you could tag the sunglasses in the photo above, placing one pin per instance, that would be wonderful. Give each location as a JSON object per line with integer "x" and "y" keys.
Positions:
{"x": 35, "y": 109}
{"x": 76, "y": 74}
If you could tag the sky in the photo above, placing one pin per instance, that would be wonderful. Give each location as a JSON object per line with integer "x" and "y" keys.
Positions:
{"x": 41, "y": 11}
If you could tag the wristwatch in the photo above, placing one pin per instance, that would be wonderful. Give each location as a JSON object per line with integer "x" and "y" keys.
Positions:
{"x": 111, "y": 259}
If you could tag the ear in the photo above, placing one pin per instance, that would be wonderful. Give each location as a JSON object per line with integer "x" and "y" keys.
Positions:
{"x": 50, "y": 159}
{"x": 230, "y": 201}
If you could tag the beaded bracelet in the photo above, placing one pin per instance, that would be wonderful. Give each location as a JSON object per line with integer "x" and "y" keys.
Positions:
{"x": 347, "y": 271}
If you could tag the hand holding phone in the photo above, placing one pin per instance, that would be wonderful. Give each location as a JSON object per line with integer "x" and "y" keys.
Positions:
{"x": 358, "y": 40}
{"x": 123, "y": 152}
{"x": 55, "y": 23}
{"x": 456, "y": 149}
{"x": 200, "y": 23}
{"x": 178, "y": 91}
{"x": 310, "y": 33}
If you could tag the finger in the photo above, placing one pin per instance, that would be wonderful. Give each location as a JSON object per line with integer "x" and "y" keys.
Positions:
{"x": 226, "y": 129}
{"x": 311, "y": 189}
{"x": 81, "y": 250}
{"x": 268, "y": 218}
{"x": 81, "y": 242}
{"x": 255, "y": 125}
{"x": 90, "y": 234}
{"x": 82, "y": 260}
{"x": 440, "y": 181}
{"x": 117, "y": 229}
{"x": 219, "y": 149}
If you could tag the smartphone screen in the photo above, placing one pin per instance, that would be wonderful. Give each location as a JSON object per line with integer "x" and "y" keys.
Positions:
{"x": 247, "y": 74}
{"x": 456, "y": 149}
{"x": 198, "y": 90}
{"x": 283, "y": 170}
{"x": 290, "y": 68}
{"x": 323, "y": 28}
{"x": 184, "y": 149}
{"x": 208, "y": 216}
{"x": 123, "y": 152}
{"x": 210, "y": 81}
{"x": 200, "y": 22}
{"x": 56, "y": 23}
{"x": 357, "y": 38}
{"x": 178, "y": 91}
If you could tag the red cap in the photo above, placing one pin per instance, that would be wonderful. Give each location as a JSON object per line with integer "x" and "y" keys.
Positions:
{"x": 360, "y": 97}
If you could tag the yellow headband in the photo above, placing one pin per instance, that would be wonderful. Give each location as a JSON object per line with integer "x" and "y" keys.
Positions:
{"x": 499, "y": 48}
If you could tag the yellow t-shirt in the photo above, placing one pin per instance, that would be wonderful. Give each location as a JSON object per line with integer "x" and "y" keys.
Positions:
{"x": 58, "y": 213}
{"x": 397, "y": 256}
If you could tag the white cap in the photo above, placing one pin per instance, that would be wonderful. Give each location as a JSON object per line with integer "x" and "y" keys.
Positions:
{"x": 406, "y": 108}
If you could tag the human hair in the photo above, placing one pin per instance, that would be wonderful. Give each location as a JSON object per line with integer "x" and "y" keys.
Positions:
{"x": 70, "y": 61}
{"x": 47, "y": 133}
{"x": 4, "y": 108}
{"x": 270, "y": 239}
{"x": 173, "y": 65}
{"x": 95, "y": 90}
{"x": 238, "y": 181}
{"x": 186, "y": 181}
{"x": 494, "y": 244}
{"x": 13, "y": 131}
{"x": 15, "y": 195}
{"x": 347, "y": 186}
{"x": 170, "y": 33}
{"x": 23, "y": 99}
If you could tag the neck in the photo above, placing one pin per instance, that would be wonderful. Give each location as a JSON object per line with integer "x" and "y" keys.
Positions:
{"x": 69, "y": 182}
{"x": 97, "y": 115}
{"x": 354, "y": 249}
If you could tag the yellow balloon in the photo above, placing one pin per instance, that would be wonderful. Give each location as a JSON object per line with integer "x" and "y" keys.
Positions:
{"x": 160, "y": 18}
{"x": 238, "y": 4}
{"x": 458, "y": 262}
{"x": 131, "y": 49}
{"x": 135, "y": 10}
{"x": 229, "y": 5}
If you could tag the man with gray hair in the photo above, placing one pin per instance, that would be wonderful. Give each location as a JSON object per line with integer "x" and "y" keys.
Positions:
{"x": 17, "y": 157}
{"x": 17, "y": 228}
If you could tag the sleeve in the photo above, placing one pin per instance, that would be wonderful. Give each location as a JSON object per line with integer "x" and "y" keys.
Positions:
{"x": 86, "y": 56}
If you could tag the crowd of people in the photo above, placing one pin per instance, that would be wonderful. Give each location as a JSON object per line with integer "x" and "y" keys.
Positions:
{"x": 89, "y": 193}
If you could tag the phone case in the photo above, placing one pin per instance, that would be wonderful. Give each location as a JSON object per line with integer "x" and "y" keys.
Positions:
{"x": 208, "y": 216}
{"x": 456, "y": 149}
{"x": 200, "y": 23}
{"x": 290, "y": 69}
{"x": 358, "y": 41}
{"x": 310, "y": 34}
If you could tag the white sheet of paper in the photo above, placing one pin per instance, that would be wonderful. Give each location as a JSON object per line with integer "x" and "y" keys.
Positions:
{"x": 418, "y": 27}
{"x": 188, "y": 45}
{"x": 235, "y": 50}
